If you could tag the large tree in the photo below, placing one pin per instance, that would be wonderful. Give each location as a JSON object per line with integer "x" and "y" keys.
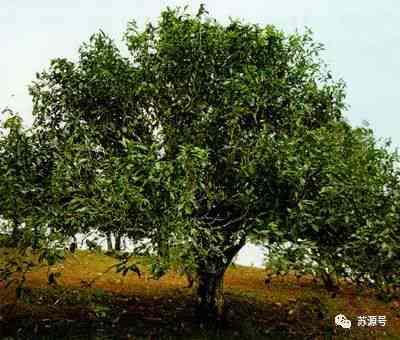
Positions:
{"x": 190, "y": 129}
{"x": 230, "y": 90}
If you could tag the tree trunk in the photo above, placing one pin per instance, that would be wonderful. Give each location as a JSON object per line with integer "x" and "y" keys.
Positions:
{"x": 162, "y": 245}
{"x": 16, "y": 233}
{"x": 210, "y": 296}
{"x": 75, "y": 241}
{"x": 330, "y": 281}
{"x": 210, "y": 286}
{"x": 109, "y": 242}
{"x": 35, "y": 238}
{"x": 118, "y": 241}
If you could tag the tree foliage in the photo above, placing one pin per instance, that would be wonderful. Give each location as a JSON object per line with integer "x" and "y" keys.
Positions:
{"x": 345, "y": 187}
{"x": 207, "y": 136}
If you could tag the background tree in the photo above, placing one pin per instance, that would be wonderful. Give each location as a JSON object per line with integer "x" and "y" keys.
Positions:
{"x": 13, "y": 172}
{"x": 25, "y": 165}
{"x": 342, "y": 182}
{"x": 93, "y": 105}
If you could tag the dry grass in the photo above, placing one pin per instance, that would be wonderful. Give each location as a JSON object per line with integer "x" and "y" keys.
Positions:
{"x": 285, "y": 307}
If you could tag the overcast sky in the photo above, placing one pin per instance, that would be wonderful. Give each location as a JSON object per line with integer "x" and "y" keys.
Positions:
{"x": 362, "y": 41}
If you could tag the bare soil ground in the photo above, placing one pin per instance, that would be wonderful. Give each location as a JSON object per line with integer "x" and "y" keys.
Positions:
{"x": 132, "y": 307}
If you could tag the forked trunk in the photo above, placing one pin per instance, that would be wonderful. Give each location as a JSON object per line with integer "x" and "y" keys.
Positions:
{"x": 210, "y": 285}
{"x": 210, "y": 296}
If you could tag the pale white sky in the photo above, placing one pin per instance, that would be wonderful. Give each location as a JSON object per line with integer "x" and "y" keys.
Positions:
{"x": 362, "y": 40}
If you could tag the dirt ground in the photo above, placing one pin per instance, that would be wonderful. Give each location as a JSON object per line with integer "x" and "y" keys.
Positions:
{"x": 132, "y": 307}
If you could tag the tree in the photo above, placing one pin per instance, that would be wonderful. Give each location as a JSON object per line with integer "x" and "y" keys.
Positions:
{"x": 227, "y": 91}
{"x": 25, "y": 165}
{"x": 14, "y": 174}
{"x": 344, "y": 183}
{"x": 372, "y": 251}
{"x": 197, "y": 114}
{"x": 89, "y": 107}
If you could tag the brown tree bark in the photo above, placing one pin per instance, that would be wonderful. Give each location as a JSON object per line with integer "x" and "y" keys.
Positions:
{"x": 117, "y": 241}
{"x": 330, "y": 281}
{"x": 109, "y": 242}
{"x": 15, "y": 232}
{"x": 210, "y": 296}
{"x": 209, "y": 287}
